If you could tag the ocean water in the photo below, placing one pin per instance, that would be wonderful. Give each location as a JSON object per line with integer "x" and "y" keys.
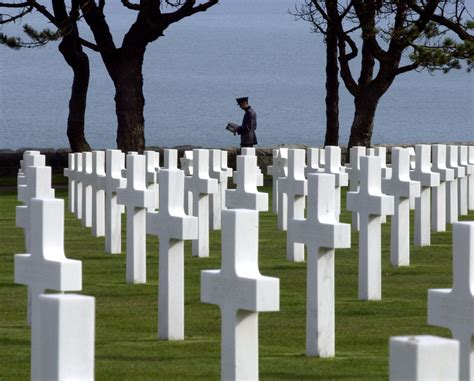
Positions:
{"x": 193, "y": 74}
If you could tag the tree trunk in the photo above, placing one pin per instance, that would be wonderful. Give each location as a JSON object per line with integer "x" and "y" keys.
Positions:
{"x": 332, "y": 82}
{"x": 363, "y": 123}
{"x": 77, "y": 104}
{"x": 130, "y": 104}
{"x": 71, "y": 49}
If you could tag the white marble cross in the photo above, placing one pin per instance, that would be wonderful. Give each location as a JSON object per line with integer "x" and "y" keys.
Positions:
{"x": 78, "y": 185}
{"x": 201, "y": 187}
{"x": 246, "y": 151}
{"x": 423, "y": 358}
{"x": 281, "y": 167}
{"x": 333, "y": 167}
{"x": 454, "y": 308}
{"x": 64, "y": 336}
{"x": 229, "y": 173}
{"x": 98, "y": 193}
{"x": 381, "y": 152}
{"x": 272, "y": 171}
{"x": 170, "y": 159}
{"x": 322, "y": 158}
{"x": 172, "y": 226}
{"x": 412, "y": 167}
{"x": 34, "y": 159}
{"x": 295, "y": 186}
{"x": 38, "y": 185}
{"x": 216, "y": 172}
{"x": 470, "y": 186}
{"x": 370, "y": 203}
{"x": 246, "y": 194}
{"x": 45, "y": 267}
{"x": 354, "y": 177}
{"x": 241, "y": 292}
{"x": 452, "y": 201}
{"x": 312, "y": 160}
{"x": 428, "y": 179}
{"x": 86, "y": 177}
{"x": 152, "y": 169}
{"x": 70, "y": 173}
{"x": 21, "y": 179}
{"x": 322, "y": 234}
{"x": 463, "y": 190}
{"x": 187, "y": 166}
{"x": 136, "y": 198}
{"x": 402, "y": 188}
{"x": 114, "y": 163}
{"x": 438, "y": 196}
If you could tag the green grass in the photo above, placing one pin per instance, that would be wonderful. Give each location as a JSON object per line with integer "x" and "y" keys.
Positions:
{"x": 126, "y": 315}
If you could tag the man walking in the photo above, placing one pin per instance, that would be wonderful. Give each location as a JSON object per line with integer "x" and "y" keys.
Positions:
{"x": 248, "y": 138}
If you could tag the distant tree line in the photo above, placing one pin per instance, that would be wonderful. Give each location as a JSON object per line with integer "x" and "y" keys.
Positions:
{"x": 388, "y": 37}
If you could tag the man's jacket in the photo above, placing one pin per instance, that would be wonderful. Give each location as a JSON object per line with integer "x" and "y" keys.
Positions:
{"x": 248, "y": 127}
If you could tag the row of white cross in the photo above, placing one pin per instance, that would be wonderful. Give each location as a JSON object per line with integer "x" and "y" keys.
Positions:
{"x": 368, "y": 176}
{"x": 321, "y": 233}
{"x": 62, "y": 326}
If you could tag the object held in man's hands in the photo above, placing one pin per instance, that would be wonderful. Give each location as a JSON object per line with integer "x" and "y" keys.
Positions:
{"x": 232, "y": 127}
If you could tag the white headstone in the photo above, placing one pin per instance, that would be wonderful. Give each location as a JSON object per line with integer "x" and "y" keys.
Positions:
{"x": 312, "y": 161}
{"x": 454, "y": 308}
{"x": 402, "y": 188}
{"x": 370, "y": 203}
{"x": 428, "y": 179}
{"x": 241, "y": 293}
{"x": 216, "y": 172}
{"x": 171, "y": 159}
{"x": 322, "y": 234}
{"x": 86, "y": 178}
{"x": 295, "y": 186}
{"x": 438, "y": 203}
{"x": 114, "y": 163}
{"x": 38, "y": 185}
{"x": 172, "y": 226}
{"x": 69, "y": 172}
{"x": 246, "y": 194}
{"x": 78, "y": 185}
{"x": 381, "y": 152}
{"x": 246, "y": 151}
{"x": 187, "y": 166}
{"x": 152, "y": 168}
{"x": 322, "y": 158}
{"x": 21, "y": 179}
{"x": 281, "y": 166}
{"x": 201, "y": 187}
{"x": 46, "y": 267}
{"x": 464, "y": 181}
{"x": 229, "y": 173}
{"x": 98, "y": 193}
{"x": 423, "y": 358}
{"x": 136, "y": 198}
{"x": 273, "y": 170}
{"x": 66, "y": 338}
{"x": 412, "y": 167}
{"x": 470, "y": 160}
{"x": 354, "y": 177}
{"x": 452, "y": 201}
{"x": 333, "y": 166}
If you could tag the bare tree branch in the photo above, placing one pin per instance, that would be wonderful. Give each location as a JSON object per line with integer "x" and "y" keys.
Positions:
{"x": 16, "y": 17}
{"x": 129, "y": 5}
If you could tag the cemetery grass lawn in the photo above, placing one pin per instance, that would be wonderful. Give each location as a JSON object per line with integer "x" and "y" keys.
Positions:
{"x": 126, "y": 315}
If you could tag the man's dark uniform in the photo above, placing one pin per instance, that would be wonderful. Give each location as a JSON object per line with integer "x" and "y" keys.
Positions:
{"x": 247, "y": 130}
